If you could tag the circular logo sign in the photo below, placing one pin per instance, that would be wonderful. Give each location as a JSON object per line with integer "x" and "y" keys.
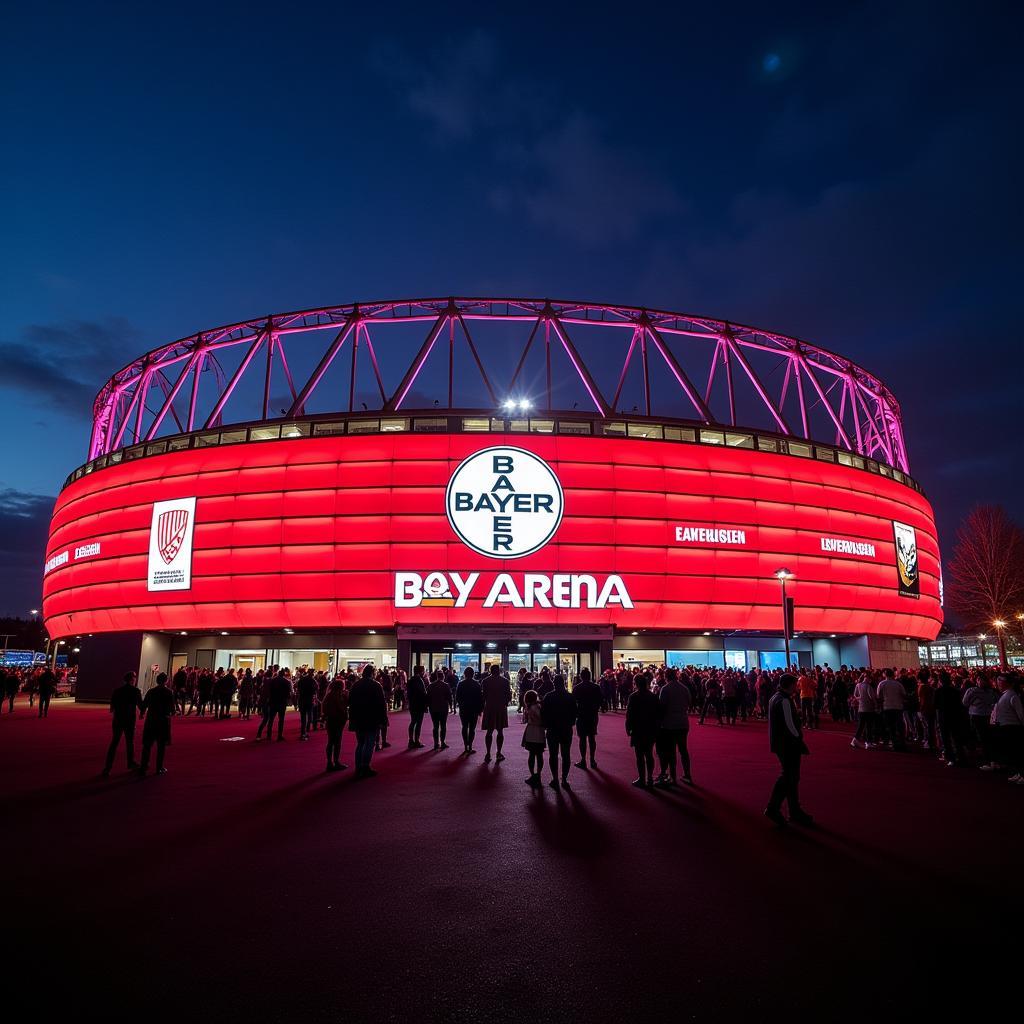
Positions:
{"x": 504, "y": 502}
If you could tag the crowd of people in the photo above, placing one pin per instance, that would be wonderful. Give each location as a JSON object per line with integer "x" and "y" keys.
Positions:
{"x": 961, "y": 716}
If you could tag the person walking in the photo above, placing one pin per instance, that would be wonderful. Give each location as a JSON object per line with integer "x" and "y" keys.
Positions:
{"x": 673, "y": 729}
{"x": 439, "y": 704}
{"x": 367, "y": 713}
{"x": 497, "y": 695}
{"x": 470, "y": 699}
{"x": 10, "y": 691}
{"x": 416, "y": 695}
{"x": 786, "y": 742}
{"x": 642, "y": 713}
{"x": 335, "y": 711}
{"x": 47, "y": 684}
{"x": 558, "y": 715}
{"x": 808, "y": 687}
{"x": 157, "y": 710}
{"x": 125, "y": 704}
{"x": 589, "y": 701}
{"x": 533, "y": 738}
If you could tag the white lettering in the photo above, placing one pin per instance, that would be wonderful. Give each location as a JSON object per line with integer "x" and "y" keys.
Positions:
{"x": 836, "y": 545}
{"x": 52, "y": 563}
{"x": 703, "y": 535}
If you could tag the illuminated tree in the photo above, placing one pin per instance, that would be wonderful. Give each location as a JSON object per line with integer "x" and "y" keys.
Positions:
{"x": 986, "y": 572}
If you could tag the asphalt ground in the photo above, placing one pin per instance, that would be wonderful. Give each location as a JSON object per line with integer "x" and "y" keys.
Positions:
{"x": 246, "y": 884}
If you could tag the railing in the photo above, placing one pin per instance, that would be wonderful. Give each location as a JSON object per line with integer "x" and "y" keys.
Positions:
{"x": 481, "y": 421}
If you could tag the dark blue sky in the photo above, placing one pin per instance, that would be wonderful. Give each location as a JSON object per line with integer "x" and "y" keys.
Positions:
{"x": 845, "y": 173}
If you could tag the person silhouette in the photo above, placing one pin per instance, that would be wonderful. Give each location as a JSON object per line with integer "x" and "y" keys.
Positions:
{"x": 470, "y": 700}
{"x": 125, "y": 704}
{"x": 157, "y": 709}
{"x": 497, "y": 695}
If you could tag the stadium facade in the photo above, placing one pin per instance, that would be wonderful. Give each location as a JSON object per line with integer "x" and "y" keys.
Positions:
{"x": 563, "y": 484}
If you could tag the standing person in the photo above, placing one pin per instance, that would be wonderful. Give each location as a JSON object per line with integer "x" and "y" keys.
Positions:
{"x": 926, "y": 708}
{"x": 787, "y": 743}
{"x": 367, "y": 713}
{"x": 979, "y": 700}
{"x": 497, "y": 695}
{"x": 891, "y": 696}
{"x": 470, "y": 699}
{"x": 867, "y": 713}
{"x": 246, "y": 692}
{"x": 416, "y": 694}
{"x": 10, "y": 690}
{"x": 673, "y": 728}
{"x": 558, "y": 713}
{"x": 335, "y": 712}
{"x": 47, "y": 685}
{"x": 279, "y": 692}
{"x": 157, "y": 709}
{"x": 125, "y": 704}
{"x": 1008, "y": 726}
{"x": 533, "y": 737}
{"x": 179, "y": 684}
{"x": 305, "y": 689}
{"x": 589, "y": 701}
{"x": 439, "y": 703}
{"x": 948, "y": 709}
{"x": 642, "y": 713}
{"x": 808, "y": 687}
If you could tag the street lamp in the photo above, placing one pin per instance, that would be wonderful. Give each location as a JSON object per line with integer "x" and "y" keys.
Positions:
{"x": 1000, "y": 625}
{"x": 782, "y": 575}
{"x": 982, "y": 637}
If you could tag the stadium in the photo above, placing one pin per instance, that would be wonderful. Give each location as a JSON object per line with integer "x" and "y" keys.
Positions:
{"x": 460, "y": 481}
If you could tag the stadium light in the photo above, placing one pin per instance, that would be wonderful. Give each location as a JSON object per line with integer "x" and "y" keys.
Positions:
{"x": 510, "y": 404}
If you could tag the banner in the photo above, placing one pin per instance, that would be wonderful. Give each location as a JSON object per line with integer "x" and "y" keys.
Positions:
{"x": 907, "y": 574}
{"x": 170, "y": 545}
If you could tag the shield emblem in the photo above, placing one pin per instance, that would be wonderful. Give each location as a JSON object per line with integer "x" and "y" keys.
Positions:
{"x": 170, "y": 532}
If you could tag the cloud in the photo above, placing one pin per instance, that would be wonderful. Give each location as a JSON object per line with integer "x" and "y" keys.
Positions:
{"x": 580, "y": 185}
{"x": 37, "y": 365}
{"x": 452, "y": 90}
{"x": 562, "y": 172}
{"x": 24, "y": 527}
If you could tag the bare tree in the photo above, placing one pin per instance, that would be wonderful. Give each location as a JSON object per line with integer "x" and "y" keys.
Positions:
{"x": 986, "y": 572}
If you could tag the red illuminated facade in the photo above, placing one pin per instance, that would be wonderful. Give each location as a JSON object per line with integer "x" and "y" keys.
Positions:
{"x": 670, "y": 528}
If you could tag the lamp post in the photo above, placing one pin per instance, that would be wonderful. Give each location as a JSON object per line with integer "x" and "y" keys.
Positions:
{"x": 782, "y": 575}
{"x": 982, "y": 637}
{"x": 999, "y": 625}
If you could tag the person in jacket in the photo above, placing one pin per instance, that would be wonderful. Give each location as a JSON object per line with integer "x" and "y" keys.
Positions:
{"x": 279, "y": 692}
{"x": 673, "y": 728}
{"x": 125, "y": 704}
{"x": 589, "y": 701}
{"x": 891, "y": 696}
{"x": 439, "y": 704}
{"x": 979, "y": 700}
{"x": 335, "y": 712}
{"x": 416, "y": 696}
{"x": 367, "y": 713}
{"x": 558, "y": 713}
{"x": 642, "y": 713}
{"x": 470, "y": 699}
{"x": 157, "y": 709}
{"x": 948, "y": 710}
{"x": 786, "y": 742}
{"x": 864, "y": 693}
{"x": 497, "y": 695}
{"x": 533, "y": 738}
{"x": 1008, "y": 726}
{"x": 47, "y": 686}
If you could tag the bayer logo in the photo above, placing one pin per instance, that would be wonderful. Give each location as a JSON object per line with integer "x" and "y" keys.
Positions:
{"x": 504, "y": 502}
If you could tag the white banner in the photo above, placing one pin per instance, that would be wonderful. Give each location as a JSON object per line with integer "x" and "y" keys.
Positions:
{"x": 170, "y": 545}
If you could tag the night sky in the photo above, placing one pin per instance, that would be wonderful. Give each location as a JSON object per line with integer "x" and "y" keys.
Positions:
{"x": 848, "y": 174}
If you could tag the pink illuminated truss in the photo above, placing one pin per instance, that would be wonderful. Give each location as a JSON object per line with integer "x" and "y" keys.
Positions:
{"x": 789, "y": 387}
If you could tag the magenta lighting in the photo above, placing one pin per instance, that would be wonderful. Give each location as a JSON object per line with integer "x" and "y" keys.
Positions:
{"x": 718, "y": 372}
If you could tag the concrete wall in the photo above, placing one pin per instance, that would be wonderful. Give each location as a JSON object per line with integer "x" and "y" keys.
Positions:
{"x": 892, "y": 652}
{"x": 102, "y": 663}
